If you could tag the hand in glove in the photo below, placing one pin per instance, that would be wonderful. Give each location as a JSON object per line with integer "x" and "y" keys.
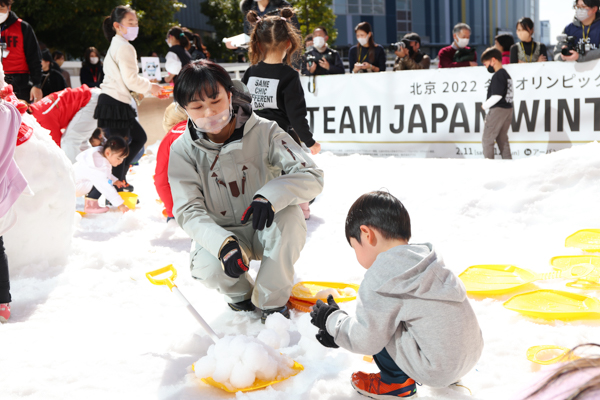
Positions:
{"x": 263, "y": 213}
{"x": 321, "y": 311}
{"x": 233, "y": 260}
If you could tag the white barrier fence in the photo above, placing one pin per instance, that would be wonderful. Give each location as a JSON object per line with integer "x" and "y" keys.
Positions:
{"x": 437, "y": 113}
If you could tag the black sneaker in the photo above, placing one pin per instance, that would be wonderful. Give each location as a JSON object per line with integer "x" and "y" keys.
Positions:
{"x": 245, "y": 305}
{"x": 282, "y": 310}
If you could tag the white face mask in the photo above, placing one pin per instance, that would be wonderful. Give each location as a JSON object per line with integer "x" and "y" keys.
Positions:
{"x": 132, "y": 32}
{"x": 168, "y": 44}
{"x": 3, "y": 17}
{"x": 581, "y": 14}
{"x": 362, "y": 41}
{"x": 94, "y": 60}
{"x": 214, "y": 124}
{"x": 462, "y": 43}
{"x": 319, "y": 42}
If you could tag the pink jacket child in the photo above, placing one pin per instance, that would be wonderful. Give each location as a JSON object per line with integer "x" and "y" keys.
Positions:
{"x": 12, "y": 184}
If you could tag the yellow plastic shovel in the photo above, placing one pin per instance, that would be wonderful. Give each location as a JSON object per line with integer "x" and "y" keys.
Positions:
{"x": 129, "y": 199}
{"x": 168, "y": 281}
{"x": 554, "y": 304}
{"x": 307, "y": 291}
{"x": 585, "y": 239}
{"x": 498, "y": 279}
{"x": 560, "y": 354}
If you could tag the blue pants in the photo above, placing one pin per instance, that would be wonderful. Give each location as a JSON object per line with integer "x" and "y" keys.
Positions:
{"x": 390, "y": 372}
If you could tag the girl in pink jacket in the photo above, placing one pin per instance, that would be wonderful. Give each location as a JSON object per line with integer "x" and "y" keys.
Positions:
{"x": 12, "y": 184}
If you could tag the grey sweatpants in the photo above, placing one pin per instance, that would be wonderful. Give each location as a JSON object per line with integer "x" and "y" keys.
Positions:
{"x": 278, "y": 247}
{"x": 76, "y": 137}
{"x": 496, "y": 127}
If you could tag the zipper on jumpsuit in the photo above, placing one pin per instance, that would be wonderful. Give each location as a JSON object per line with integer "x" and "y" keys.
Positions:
{"x": 226, "y": 189}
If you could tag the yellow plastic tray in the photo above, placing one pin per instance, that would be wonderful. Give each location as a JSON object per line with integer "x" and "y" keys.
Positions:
{"x": 565, "y": 262}
{"x": 498, "y": 279}
{"x": 129, "y": 199}
{"x": 533, "y": 352}
{"x": 306, "y": 291}
{"x": 258, "y": 384}
{"x": 81, "y": 213}
{"x": 585, "y": 239}
{"x": 554, "y": 304}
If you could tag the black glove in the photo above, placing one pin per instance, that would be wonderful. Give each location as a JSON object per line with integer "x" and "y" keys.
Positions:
{"x": 232, "y": 259}
{"x": 326, "y": 339}
{"x": 320, "y": 312}
{"x": 263, "y": 213}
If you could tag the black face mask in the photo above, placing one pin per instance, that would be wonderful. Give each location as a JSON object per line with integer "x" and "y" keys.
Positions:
{"x": 491, "y": 69}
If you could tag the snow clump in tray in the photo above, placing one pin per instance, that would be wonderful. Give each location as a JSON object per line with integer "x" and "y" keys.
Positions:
{"x": 276, "y": 333}
{"x": 237, "y": 361}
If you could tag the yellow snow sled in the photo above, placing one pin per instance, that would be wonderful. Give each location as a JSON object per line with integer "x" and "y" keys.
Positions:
{"x": 498, "y": 279}
{"x": 535, "y": 354}
{"x": 585, "y": 239}
{"x": 307, "y": 291}
{"x": 258, "y": 383}
{"x": 554, "y": 304}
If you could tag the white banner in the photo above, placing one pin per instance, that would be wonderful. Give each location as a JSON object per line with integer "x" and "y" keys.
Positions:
{"x": 437, "y": 113}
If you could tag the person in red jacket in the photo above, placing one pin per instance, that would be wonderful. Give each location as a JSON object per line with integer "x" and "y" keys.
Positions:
{"x": 56, "y": 111}
{"x": 22, "y": 58}
{"x": 459, "y": 54}
{"x": 175, "y": 123}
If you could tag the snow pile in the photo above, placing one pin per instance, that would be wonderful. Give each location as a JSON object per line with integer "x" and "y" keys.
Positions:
{"x": 45, "y": 221}
{"x": 237, "y": 361}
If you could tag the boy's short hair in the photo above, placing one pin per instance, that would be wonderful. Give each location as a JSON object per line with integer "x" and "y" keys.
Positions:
{"x": 490, "y": 53}
{"x": 6, "y": 3}
{"x": 378, "y": 210}
{"x": 506, "y": 40}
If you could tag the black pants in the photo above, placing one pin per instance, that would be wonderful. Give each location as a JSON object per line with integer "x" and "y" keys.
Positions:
{"x": 94, "y": 194}
{"x": 4, "y": 281}
{"x": 390, "y": 372}
{"x": 136, "y": 137}
{"x": 20, "y": 84}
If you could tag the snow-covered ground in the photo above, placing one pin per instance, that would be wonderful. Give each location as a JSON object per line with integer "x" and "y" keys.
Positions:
{"x": 95, "y": 328}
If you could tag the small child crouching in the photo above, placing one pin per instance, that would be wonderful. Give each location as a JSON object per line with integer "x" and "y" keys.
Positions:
{"x": 93, "y": 176}
{"x": 412, "y": 313}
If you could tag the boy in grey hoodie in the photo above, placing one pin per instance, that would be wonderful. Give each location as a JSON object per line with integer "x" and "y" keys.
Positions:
{"x": 412, "y": 313}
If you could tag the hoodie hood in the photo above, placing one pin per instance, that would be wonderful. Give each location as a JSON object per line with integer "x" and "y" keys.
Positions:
{"x": 87, "y": 157}
{"x": 422, "y": 274}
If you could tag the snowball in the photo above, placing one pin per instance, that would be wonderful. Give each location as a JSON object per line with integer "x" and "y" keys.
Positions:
{"x": 270, "y": 338}
{"x": 241, "y": 376}
{"x": 278, "y": 323}
{"x": 237, "y": 361}
{"x": 323, "y": 294}
{"x": 349, "y": 292}
{"x": 46, "y": 220}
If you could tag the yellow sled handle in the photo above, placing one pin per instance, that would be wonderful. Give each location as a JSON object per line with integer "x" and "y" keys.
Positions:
{"x": 165, "y": 281}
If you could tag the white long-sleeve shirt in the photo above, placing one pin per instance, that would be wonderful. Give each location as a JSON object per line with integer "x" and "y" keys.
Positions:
{"x": 92, "y": 169}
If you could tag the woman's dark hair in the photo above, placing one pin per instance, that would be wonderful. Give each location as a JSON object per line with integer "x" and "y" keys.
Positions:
{"x": 490, "y": 53}
{"x": 589, "y": 3}
{"x": 98, "y": 132}
{"x": 57, "y": 55}
{"x": 381, "y": 211}
{"x": 88, "y": 53}
{"x": 506, "y": 40}
{"x": 526, "y": 23}
{"x": 180, "y": 36}
{"x": 116, "y": 144}
{"x": 46, "y": 56}
{"x": 272, "y": 33}
{"x": 573, "y": 367}
{"x": 117, "y": 15}
{"x": 196, "y": 40}
{"x": 366, "y": 27}
{"x": 200, "y": 79}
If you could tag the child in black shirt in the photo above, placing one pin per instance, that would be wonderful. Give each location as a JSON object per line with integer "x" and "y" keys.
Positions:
{"x": 275, "y": 86}
{"x": 500, "y": 105}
